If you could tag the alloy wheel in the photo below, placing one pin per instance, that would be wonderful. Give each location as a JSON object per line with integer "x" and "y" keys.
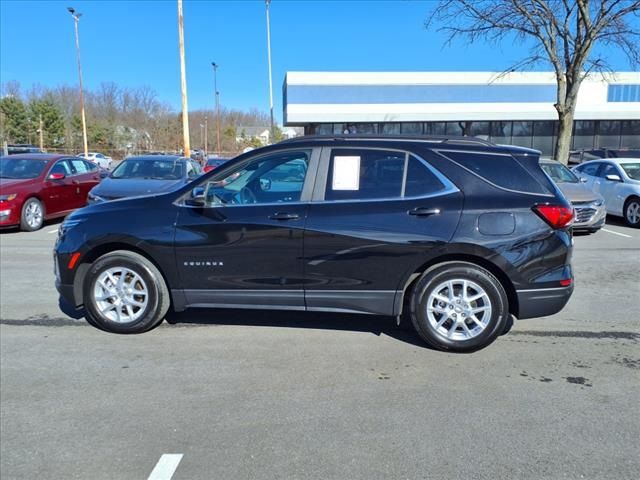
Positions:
{"x": 33, "y": 215}
{"x": 121, "y": 295}
{"x": 633, "y": 212}
{"x": 459, "y": 309}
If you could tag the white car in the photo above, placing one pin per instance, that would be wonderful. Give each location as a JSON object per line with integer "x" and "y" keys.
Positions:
{"x": 618, "y": 181}
{"x": 100, "y": 159}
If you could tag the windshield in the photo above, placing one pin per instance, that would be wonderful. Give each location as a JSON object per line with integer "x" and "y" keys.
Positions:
{"x": 149, "y": 169}
{"x": 559, "y": 173}
{"x": 632, "y": 170}
{"x": 21, "y": 168}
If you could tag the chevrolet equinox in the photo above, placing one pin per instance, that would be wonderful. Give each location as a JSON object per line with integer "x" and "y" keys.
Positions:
{"x": 456, "y": 234}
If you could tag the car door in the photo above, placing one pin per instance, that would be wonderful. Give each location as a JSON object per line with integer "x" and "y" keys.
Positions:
{"x": 589, "y": 172}
{"x": 59, "y": 194}
{"x": 376, "y": 215}
{"x": 85, "y": 177}
{"x": 610, "y": 189}
{"x": 240, "y": 246}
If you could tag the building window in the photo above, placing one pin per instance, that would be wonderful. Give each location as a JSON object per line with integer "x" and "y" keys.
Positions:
{"x": 522, "y": 134}
{"x": 411, "y": 129}
{"x": 630, "y": 134}
{"x": 583, "y": 134}
{"x": 501, "y": 132}
{"x": 389, "y": 128}
{"x": 609, "y": 134}
{"x": 623, "y": 93}
{"x": 434, "y": 128}
{"x": 544, "y": 134}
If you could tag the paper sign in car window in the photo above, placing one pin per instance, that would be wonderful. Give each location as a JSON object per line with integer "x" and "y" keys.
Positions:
{"x": 346, "y": 173}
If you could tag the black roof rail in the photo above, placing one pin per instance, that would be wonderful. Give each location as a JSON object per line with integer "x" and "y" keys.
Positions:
{"x": 418, "y": 138}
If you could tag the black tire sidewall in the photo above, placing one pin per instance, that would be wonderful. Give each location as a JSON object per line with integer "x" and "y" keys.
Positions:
{"x": 148, "y": 320}
{"x": 460, "y": 270}
{"x": 23, "y": 221}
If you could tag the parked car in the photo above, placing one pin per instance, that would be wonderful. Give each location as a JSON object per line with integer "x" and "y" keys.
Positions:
{"x": 213, "y": 163}
{"x": 589, "y": 208}
{"x": 22, "y": 148}
{"x": 38, "y": 187}
{"x": 456, "y": 234}
{"x": 98, "y": 158}
{"x": 146, "y": 175}
{"x": 618, "y": 181}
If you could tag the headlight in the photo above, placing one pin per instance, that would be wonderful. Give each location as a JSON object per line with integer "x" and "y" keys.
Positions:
{"x": 8, "y": 197}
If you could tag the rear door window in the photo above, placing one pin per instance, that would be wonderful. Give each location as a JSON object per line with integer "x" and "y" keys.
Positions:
{"x": 362, "y": 174}
{"x": 501, "y": 170}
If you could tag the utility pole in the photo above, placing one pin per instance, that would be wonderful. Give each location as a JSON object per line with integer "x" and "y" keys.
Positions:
{"x": 41, "y": 135}
{"x": 206, "y": 136}
{"x": 217, "y": 99}
{"x": 76, "y": 19}
{"x": 267, "y": 3}
{"x": 183, "y": 84}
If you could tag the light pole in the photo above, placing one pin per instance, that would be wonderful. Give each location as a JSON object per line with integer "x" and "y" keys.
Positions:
{"x": 217, "y": 99}
{"x": 267, "y": 3}
{"x": 183, "y": 84}
{"x": 76, "y": 18}
{"x": 206, "y": 136}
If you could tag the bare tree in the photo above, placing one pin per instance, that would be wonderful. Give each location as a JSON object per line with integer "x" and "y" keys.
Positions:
{"x": 571, "y": 35}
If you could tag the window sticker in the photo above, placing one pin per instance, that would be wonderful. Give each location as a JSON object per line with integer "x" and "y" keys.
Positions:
{"x": 346, "y": 173}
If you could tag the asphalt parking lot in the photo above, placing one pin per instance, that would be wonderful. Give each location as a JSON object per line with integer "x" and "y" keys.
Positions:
{"x": 327, "y": 396}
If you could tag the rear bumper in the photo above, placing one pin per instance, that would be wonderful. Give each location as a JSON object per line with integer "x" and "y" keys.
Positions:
{"x": 541, "y": 302}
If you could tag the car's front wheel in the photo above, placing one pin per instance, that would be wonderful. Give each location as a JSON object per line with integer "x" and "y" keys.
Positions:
{"x": 125, "y": 293}
{"x": 459, "y": 306}
{"x": 632, "y": 211}
{"x": 32, "y": 217}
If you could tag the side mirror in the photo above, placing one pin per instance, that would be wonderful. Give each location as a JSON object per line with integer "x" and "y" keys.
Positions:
{"x": 197, "y": 198}
{"x": 197, "y": 192}
{"x": 57, "y": 176}
{"x": 613, "y": 178}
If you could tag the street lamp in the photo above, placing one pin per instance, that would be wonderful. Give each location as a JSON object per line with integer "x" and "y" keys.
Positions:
{"x": 217, "y": 104}
{"x": 267, "y": 3}
{"x": 76, "y": 18}
{"x": 183, "y": 84}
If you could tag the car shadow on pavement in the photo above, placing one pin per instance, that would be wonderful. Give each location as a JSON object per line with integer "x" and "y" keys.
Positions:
{"x": 48, "y": 223}
{"x": 375, "y": 324}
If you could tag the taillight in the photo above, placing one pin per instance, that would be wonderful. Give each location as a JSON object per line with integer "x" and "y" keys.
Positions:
{"x": 555, "y": 215}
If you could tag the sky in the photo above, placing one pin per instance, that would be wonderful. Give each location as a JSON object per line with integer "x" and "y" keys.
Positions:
{"x": 135, "y": 43}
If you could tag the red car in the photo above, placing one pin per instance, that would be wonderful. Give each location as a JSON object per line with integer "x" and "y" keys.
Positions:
{"x": 213, "y": 163}
{"x": 37, "y": 187}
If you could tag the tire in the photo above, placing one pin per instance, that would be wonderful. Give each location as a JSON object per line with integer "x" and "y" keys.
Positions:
{"x": 453, "y": 322}
{"x": 136, "y": 305}
{"x": 32, "y": 216}
{"x": 631, "y": 212}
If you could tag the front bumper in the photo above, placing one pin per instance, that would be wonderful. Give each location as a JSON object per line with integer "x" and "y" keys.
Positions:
{"x": 9, "y": 216}
{"x": 542, "y": 302}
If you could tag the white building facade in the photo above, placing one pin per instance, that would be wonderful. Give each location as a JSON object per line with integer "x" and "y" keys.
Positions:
{"x": 515, "y": 108}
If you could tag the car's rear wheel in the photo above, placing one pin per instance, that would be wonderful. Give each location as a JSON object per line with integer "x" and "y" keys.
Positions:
{"x": 32, "y": 217}
{"x": 632, "y": 211}
{"x": 125, "y": 293}
{"x": 459, "y": 306}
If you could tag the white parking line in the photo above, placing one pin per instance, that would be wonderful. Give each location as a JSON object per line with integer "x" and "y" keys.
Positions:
{"x": 617, "y": 233}
{"x": 53, "y": 231}
{"x": 166, "y": 466}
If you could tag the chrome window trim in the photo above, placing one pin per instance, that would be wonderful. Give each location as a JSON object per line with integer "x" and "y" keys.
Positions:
{"x": 439, "y": 151}
{"x": 449, "y": 186}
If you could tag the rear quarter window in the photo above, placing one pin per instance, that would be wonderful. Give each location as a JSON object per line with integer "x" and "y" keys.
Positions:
{"x": 501, "y": 170}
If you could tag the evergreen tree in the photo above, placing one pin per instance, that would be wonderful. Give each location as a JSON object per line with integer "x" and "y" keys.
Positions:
{"x": 15, "y": 120}
{"x": 52, "y": 121}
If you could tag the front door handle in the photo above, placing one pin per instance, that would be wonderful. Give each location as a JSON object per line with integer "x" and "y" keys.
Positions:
{"x": 284, "y": 216}
{"x": 424, "y": 212}
{"x": 76, "y": 182}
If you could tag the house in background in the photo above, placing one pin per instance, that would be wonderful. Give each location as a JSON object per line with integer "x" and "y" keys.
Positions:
{"x": 246, "y": 134}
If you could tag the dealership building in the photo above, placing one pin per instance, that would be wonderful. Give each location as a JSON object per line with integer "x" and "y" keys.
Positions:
{"x": 514, "y": 108}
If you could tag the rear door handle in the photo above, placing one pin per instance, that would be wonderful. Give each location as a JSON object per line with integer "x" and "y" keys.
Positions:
{"x": 424, "y": 212}
{"x": 284, "y": 216}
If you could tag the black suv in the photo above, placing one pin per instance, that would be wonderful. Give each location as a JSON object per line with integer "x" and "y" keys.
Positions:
{"x": 456, "y": 234}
